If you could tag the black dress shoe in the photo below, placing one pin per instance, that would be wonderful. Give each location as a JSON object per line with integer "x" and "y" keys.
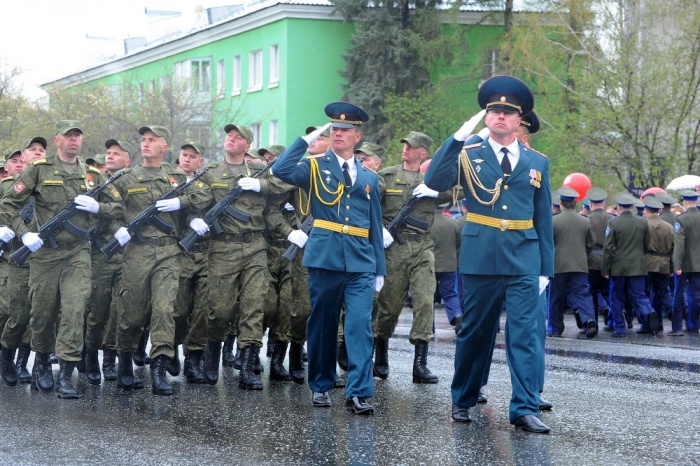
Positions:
{"x": 339, "y": 382}
{"x": 460, "y": 414}
{"x": 654, "y": 322}
{"x": 555, "y": 334}
{"x": 531, "y": 423}
{"x": 591, "y": 329}
{"x": 618, "y": 335}
{"x": 358, "y": 405}
{"x": 545, "y": 405}
{"x": 482, "y": 396}
{"x": 642, "y": 331}
{"x": 608, "y": 328}
{"x": 321, "y": 399}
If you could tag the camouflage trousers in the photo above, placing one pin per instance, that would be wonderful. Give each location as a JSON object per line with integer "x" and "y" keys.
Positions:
{"x": 411, "y": 264}
{"x": 279, "y": 301}
{"x": 101, "y": 315}
{"x": 16, "y": 331}
{"x": 58, "y": 290}
{"x": 150, "y": 276}
{"x": 301, "y": 310}
{"x": 237, "y": 275}
{"x": 191, "y": 305}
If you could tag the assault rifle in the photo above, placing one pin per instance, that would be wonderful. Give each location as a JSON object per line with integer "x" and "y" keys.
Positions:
{"x": 61, "y": 221}
{"x": 404, "y": 216}
{"x": 221, "y": 208}
{"x": 291, "y": 253}
{"x": 149, "y": 215}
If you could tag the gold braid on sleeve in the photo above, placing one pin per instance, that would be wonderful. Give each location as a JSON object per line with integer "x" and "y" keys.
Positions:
{"x": 313, "y": 187}
{"x": 472, "y": 179}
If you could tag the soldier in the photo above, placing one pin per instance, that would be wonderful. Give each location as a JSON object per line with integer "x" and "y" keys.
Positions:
{"x": 238, "y": 256}
{"x": 370, "y": 155}
{"x": 626, "y": 240}
{"x": 409, "y": 264}
{"x": 58, "y": 275}
{"x": 98, "y": 162}
{"x": 658, "y": 260}
{"x": 573, "y": 238}
{"x": 667, "y": 214}
{"x": 344, "y": 200}
{"x": 686, "y": 265}
{"x": 599, "y": 219}
{"x": 509, "y": 201}
{"x": 102, "y": 313}
{"x": 446, "y": 235}
{"x": 149, "y": 290}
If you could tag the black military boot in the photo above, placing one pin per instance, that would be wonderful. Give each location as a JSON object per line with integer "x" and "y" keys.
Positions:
{"x": 343, "y": 356}
{"x": 212, "y": 356}
{"x": 140, "y": 357}
{"x": 80, "y": 365}
{"x": 22, "y": 357}
{"x": 421, "y": 374}
{"x": 174, "y": 366}
{"x": 237, "y": 358}
{"x": 296, "y": 365}
{"x": 109, "y": 358}
{"x": 8, "y": 370}
{"x": 92, "y": 367}
{"x": 53, "y": 359}
{"x": 193, "y": 367}
{"x": 42, "y": 375}
{"x": 125, "y": 371}
{"x": 381, "y": 358}
{"x": 257, "y": 365}
{"x": 247, "y": 379}
{"x": 159, "y": 384}
{"x": 64, "y": 385}
{"x": 227, "y": 353}
{"x": 277, "y": 370}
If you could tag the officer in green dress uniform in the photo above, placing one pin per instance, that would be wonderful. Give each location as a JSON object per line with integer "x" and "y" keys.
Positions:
{"x": 686, "y": 264}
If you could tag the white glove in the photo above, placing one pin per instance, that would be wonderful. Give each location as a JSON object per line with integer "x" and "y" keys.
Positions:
{"x": 378, "y": 283}
{"x": 87, "y": 204}
{"x": 122, "y": 235}
{"x": 423, "y": 191}
{"x": 32, "y": 241}
{"x": 199, "y": 226}
{"x": 468, "y": 127}
{"x": 544, "y": 281}
{"x": 298, "y": 237}
{"x": 313, "y": 135}
{"x": 484, "y": 133}
{"x": 168, "y": 205}
{"x": 387, "y": 238}
{"x": 6, "y": 234}
{"x": 289, "y": 207}
{"x": 249, "y": 184}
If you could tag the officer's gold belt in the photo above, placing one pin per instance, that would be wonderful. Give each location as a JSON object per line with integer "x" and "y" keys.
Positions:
{"x": 340, "y": 228}
{"x": 500, "y": 223}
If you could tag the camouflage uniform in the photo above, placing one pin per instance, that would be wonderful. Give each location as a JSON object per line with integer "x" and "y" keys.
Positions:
{"x": 58, "y": 276}
{"x": 191, "y": 305}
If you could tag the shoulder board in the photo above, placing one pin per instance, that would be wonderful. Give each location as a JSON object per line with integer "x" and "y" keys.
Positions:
{"x": 313, "y": 156}
{"x": 369, "y": 170}
{"x": 7, "y": 178}
{"x": 94, "y": 170}
{"x": 537, "y": 152}
{"x": 211, "y": 165}
{"x": 43, "y": 161}
{"x": 472, "y": 146}
{"x": 389, "y": 170}
{"x": 175, "y": 171}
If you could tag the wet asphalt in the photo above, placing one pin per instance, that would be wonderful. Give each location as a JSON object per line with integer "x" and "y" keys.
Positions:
{"x": 631, "y": 401}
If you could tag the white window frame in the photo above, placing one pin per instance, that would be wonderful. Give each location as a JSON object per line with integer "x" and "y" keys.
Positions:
{"x": 255, "y": 71}
{"x": 274, "y": 132}
{"x": 236, "y": 79}
{"x": 220, "y": 79}
{"x": 255, "y": 129}
{"x": 183, "y": 72}
{"x": 274, "y": 80}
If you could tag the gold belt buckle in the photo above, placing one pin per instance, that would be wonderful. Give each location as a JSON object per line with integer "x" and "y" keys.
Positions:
{"x": 345, "y": 229}
{"x": 504, "y": 225}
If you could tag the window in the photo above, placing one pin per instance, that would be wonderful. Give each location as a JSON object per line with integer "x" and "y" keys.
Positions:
{"x": 255, "y": 129}
{"x": 273, "y": 133}
{"x": 196, "y": 72}
{"x": 255, "y": 71}
{"x": 274, "y": 66}
{"x": 236, "y": 82}
{"x": 492, "y": 65}
{"x": 220, "y": 79}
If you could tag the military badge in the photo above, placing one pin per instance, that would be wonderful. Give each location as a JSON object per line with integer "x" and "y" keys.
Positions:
{"x": 173, "y": 182}
{"x": 90, "y": 180}
{"x": 677, "y": 226}
{"x": 367, "y": 190}
{"x": 328, "y": 179}
{"x": 607, "y": 231}
{"x": 478, "y": 168}
{"x": 535, "y": 178}
{"x": 478, "y": 160}
{"x": 19, "y": 187}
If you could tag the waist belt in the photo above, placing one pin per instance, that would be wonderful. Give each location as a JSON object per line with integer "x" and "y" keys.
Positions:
{"x": 657, "y": 254}
{"x": 237, "y": 238}
{"x": 501, "y": 223}
{"x": 156, "y": 241}
{"x": 413, "y": 237}
{"x": 340, "y": 228}
{"x": 200, "y": 247}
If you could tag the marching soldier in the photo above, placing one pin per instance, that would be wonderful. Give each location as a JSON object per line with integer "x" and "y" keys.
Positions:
{"x": 658, "y": 260}
{"x": 599, "y": 219}
{"x": 686, "y": 264}
{"x": 666, "y": 213}
{"x": 344, "y": 200}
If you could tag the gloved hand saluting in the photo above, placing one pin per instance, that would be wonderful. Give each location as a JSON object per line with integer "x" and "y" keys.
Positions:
{"x": 468, "y": 127}
{"x": 313, "y": 135}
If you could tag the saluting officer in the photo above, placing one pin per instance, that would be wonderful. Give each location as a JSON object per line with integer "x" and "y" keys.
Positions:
{"x": 345, "y": 253}
{"x": 507, "y": 248}
{"x": 599, "y": 219}
{"x": 686, "y": 264}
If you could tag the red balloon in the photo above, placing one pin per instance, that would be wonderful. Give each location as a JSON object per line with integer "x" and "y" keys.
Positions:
{"x": 579, "y": 182}
{"x": 654, "y": 190}
{"x": 424, "y": 166}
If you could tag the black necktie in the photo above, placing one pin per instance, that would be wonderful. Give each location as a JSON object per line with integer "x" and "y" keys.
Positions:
{"x": 505, "y": 163}
{"x": 348, "y": 180}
